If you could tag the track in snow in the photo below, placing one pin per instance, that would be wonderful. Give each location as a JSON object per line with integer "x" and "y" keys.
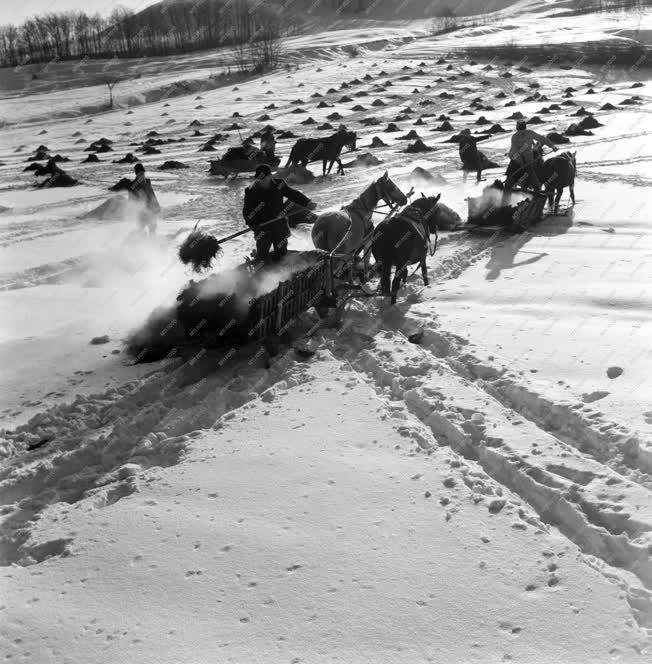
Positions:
{"x": 579, "y": 473}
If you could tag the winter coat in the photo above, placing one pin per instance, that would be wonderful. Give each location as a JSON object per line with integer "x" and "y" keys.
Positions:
{"x": 523, "y": 142}
{"x": 143, "y": 191}
{"x": 469, "y": 151}
{"x": 261, "y": 205}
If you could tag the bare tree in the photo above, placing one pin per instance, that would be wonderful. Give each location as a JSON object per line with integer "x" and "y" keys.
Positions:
{"x": 161, "y": 29}
{"x": 266, "y": 43}
{"x": 110, "y": 83}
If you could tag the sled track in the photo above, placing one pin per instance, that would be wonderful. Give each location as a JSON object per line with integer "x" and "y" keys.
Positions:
{"x": 460, "y": 414}
{"x": 580, "y": 476}
{"x": 93, "y": 448}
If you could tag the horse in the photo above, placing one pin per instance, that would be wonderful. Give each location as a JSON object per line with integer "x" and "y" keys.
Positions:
{"x": 344, "y": 231}
{"x": 327, "y": 149}
{"x": 404, "y": 240}
{"x": 559, "y": 172}
{"x": 555, "y": 174}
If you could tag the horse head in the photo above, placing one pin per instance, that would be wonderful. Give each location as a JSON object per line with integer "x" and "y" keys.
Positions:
{"x": 389, "y": 192}
{"x": 351, "y": 138}
{"x": 427, "y": 206}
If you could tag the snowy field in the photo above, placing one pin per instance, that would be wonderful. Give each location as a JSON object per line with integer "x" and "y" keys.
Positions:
{"x": 481, "y": 496}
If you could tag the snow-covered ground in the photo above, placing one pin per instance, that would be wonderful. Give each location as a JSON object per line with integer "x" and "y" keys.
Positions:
{"x": 483, "y": 495}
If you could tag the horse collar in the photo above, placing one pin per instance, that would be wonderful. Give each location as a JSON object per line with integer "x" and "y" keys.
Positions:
{"x": 415, "y": 218}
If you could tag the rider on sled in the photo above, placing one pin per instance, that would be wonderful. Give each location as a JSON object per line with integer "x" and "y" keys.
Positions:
{"x": 524, "y": 152}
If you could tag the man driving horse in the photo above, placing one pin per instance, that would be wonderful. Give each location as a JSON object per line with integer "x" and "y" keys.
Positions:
{"x": 263, "y": 202}
{"x": 522, "y": 156}
{"x": 268, "y": 144}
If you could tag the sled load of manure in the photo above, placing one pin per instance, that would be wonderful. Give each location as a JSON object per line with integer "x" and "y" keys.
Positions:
{"x": 488, "y": 209}
{"x": 214, "y": 312}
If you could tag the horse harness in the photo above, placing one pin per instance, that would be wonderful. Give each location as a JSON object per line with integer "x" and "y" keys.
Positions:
{"x": 416, "y": 221}
{"x": 367, "y": 225}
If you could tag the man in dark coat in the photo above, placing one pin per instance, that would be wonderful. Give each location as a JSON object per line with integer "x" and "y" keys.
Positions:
{"x": 472, "y": 158}
{"x": 141, "y": 189}
{"x": 263, "y": 202}
{"x": 268, "y": 144}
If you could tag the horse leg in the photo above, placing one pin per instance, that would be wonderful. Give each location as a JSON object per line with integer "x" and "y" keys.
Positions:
{"x": 550, "y": 193}
{"x": 385, "y": 275}
{"x": 323, "y": 166}
{"x": 400, "y": 275}
{"x": 560, "y": 191}
{"x": 424, "y": 271}
{"x": 365, "y": 264}
{"x": 571, "y": 189}
{"x": 340, "y": 166}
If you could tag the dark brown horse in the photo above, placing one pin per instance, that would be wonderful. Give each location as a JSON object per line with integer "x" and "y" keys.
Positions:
{"x": 559, "y": 172}
{"x": 404, "y": 240}
{"x": 554, "y": 174}
{"x": 326, "y": 149}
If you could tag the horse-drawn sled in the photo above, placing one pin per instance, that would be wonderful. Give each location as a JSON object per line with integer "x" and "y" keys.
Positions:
{"x": 236, "y": 307}
{"x": 259, "y": 302}
{"x": 513, "y": 208}
{"x": 490, "y": 212}
{"x": 241, "y": 160}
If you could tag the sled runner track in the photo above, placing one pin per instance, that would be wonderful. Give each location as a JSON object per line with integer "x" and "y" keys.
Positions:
{"x": 51, "y": 273}
{"x": 546, "y": 452}
{"x": 76, "y": 451}
{"x": 607, "y": 442}
{"x": 507, "y": 448}
{"x": 607, "y": 177}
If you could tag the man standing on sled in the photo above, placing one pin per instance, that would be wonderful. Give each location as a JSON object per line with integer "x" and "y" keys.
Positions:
{"x": 263, "y": 202}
